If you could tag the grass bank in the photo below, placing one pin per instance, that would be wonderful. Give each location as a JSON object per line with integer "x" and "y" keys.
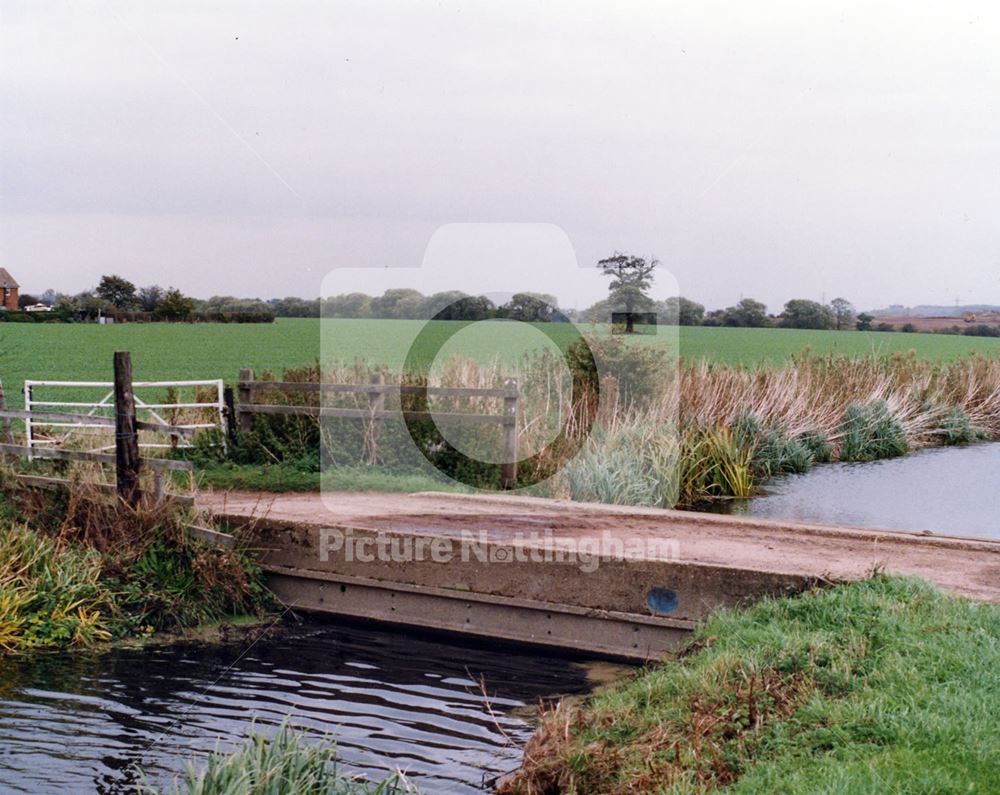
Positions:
{"x": 292, "y": 477}
{"x": 884, "y": 685}
{"x": 288, "y": 763}
{"x": 78, "y": 569}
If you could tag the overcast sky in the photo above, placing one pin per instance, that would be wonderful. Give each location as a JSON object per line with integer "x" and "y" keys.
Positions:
{"x": 772, "y": 150}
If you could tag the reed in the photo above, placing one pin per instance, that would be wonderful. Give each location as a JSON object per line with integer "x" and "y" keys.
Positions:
{"x": 736, "y": 426}
{"x": 646, "y": 428}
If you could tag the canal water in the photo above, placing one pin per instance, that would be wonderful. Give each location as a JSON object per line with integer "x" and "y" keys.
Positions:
{"x": 948, "y": 490}
{"x": 82, "y": 723}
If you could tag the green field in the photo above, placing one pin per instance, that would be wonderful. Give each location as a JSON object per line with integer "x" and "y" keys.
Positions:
{"x": 181, "y": 351}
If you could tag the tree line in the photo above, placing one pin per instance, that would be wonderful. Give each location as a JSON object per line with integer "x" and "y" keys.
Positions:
{"x": 118, "y": 298}
{"x": 630, "y": 280}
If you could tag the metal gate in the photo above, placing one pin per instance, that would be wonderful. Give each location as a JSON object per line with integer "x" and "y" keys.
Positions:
{"x": 154, "y": 410}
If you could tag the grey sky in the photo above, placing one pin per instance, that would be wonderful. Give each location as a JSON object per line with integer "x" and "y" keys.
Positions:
{"x": 773, "y": 150}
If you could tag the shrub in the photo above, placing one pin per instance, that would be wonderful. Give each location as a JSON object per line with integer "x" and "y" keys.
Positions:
{"x": 778, "y": 454}
{"x": 982, "y": 330}
{"x": 635, "y": 464}
{"x": 869, "y": 432}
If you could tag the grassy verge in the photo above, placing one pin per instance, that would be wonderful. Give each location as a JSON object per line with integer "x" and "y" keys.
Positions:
{"x": 78, "y": 568}
{"x": 286, "y": 763}
{"x": 884, "y": 685}
{"x": 292, "y": 478}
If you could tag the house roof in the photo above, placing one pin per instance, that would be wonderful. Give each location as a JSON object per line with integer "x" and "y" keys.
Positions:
{"x": 6, "y": 280}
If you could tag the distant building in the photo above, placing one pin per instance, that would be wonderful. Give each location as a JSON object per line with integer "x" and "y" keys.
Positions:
{"x": 9, "y": 288}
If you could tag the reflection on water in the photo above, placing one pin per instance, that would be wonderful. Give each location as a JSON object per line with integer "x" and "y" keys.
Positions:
{"x": 80, "y": 723}
{"x": 950, "y": 490}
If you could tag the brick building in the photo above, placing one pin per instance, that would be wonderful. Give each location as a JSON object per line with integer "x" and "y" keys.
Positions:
{"x": 8, "y": 291}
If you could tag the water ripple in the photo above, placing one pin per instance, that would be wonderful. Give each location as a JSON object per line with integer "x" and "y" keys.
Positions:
{"x": 82, "y": 723}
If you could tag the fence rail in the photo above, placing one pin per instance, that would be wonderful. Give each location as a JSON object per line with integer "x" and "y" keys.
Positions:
{"x": 69, "y": 422}
{"x": 58, "y": 419}
{"x": 126, "y": 459}
{"x": 248, "y": 388}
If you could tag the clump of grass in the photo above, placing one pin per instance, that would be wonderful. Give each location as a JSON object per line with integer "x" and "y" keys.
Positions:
{"x": 714, "y": 465}
{"x": 626, "y": 465}
{"x": 51, "y": 593}
{"x": 869, "y": 432}
{"x": 81, "y": 567}
{"x": 634, "y": 463}
{"x": 817, "y": 445}
{"x": 286, "y": 763}
{"x": 884, "y": 685}
{"x": 957, "y": 428}
{"x": 773, "y": 451}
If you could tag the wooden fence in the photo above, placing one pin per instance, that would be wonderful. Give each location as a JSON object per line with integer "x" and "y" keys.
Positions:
{"x": 128, "y": 463}
{"x": 375, "y": 413}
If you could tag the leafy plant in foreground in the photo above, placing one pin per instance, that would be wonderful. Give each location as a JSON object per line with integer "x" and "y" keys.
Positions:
{"x": 286, "y": 764}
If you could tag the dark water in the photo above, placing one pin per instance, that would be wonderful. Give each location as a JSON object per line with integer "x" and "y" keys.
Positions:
{"x": 79, "y": 723}
{"x": 949, "y": 490}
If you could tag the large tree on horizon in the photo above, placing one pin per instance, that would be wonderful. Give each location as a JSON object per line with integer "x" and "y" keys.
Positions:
{"x": 117, "y": 291}
{"x": 802, "y": 313}
{"x": 631, "y": 277}
{"x": 748, "y": 313}
{"x": 843, "y": 312}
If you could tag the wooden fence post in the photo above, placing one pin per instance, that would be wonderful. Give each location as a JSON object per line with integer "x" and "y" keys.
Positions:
{"x": 29, "y": 430}
{"x": 126, "y": 433}
{"x": 246, "y": 398}
{"x": 508, "y": 470}
{"x": 230, "y": 404}
{"x": 376, "y": 404}
{"x": 8, "y": 434}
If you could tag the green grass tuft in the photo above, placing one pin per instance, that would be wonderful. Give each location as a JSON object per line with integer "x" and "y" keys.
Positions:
{"x": 285, "y": 764}
{"x": 869, "y": 432}
{"x": 957, "y": 427}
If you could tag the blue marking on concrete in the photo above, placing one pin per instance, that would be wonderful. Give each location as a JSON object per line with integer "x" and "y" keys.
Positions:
{"x": 662, "y": 600}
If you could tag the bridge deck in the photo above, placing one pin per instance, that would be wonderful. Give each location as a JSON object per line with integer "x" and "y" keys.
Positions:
{"x": 616, "y": 580}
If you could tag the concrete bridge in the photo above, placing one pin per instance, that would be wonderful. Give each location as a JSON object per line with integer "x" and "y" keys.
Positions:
{"x": 623, "y": 582}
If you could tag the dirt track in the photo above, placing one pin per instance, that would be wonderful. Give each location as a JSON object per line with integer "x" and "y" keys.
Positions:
{"x": 963, "y": 566}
